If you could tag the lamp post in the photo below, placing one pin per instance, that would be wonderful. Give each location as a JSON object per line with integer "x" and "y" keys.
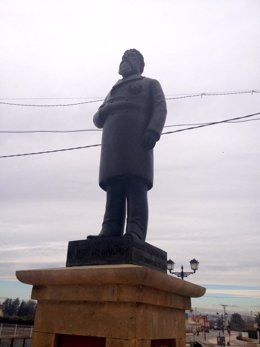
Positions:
{"x": 221, "y": 341}
{"x": 222, "y": 323}
{"x": 194, "y": 264}
{"x": 205, "y": 328}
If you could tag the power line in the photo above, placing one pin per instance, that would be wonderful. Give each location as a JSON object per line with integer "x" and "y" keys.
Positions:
{"x": 212, "y": 123}
{"x": 246, "y": 120}
{"x": 99, "y": 130}
{"x": 176, "y": 97}
{"x": 50, "y": 105}
{"x": 184, "y": 96}
{"x": 97, "y": 145}
{"x": 47, "y": 131}
{"x": 206, "y": 123}
{"x": 57, "y": 98}
{"x": 51, "y": 151}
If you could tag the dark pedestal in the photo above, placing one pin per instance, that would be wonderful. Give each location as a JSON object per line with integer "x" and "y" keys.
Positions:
{"x": 113, "y": 251}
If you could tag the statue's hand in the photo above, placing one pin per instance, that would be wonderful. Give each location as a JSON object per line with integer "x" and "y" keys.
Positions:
{"x": 105, "y": 109}
{"x": 103, "y": 112}
{"x": 149, "y": 140}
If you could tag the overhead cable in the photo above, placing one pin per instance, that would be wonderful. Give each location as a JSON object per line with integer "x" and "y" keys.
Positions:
{"x": 47, "y": 131}
{"x": 50, "y": 105}
{"x": 212, "y": 123}
{"x": 97, "y": 145}
{"x": 99, "y": 130}
{"x": 184, "y": 96}
{"x": 51, "y": 151}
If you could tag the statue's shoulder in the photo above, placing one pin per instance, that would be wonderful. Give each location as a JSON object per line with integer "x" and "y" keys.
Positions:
{"x": 149, "y": 80}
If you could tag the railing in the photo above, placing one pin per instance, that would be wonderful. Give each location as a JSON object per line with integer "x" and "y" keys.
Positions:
{"x": 12, "y": 335}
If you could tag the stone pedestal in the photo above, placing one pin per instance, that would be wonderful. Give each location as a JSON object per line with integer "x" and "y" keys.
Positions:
{"x": 109, "y": 306}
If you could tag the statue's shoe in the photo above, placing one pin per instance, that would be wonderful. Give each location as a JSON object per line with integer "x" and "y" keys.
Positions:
{"x": 132, "y": 237}
{"x": 103, "y": 235}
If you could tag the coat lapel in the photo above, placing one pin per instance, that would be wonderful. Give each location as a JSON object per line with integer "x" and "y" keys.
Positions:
{"x": 126, "y": 80}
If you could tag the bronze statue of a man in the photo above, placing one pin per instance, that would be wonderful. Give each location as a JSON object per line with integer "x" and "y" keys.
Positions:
{"x": 132, "y": 117}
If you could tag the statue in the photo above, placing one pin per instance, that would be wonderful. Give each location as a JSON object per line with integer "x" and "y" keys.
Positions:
{"x": 132, "y": 117}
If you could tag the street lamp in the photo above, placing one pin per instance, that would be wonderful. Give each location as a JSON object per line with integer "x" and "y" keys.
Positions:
{"x": 194, "y": 264}
{"x": 205, "y": 328}
{"x": 221, "y": 341}
{"x": 222, "y": 321}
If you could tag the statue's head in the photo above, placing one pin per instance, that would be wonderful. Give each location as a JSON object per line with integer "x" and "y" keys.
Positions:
{"x": 132, "y": 63}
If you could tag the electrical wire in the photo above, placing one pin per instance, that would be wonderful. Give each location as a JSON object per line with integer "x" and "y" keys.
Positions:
{"x": 212, "y": 123}
{"x": 99, "y": 130}
{"x": 47, "y": 131}
{"x": 46, "y": 152}
{"x": 184, "y": 96}
{"x": 213, "y": 94}
{"x": 193, "y": 124}
{"x": 97, "y": 145}
{"x": 50, "y": 105}
{"x": 57, "y": 98}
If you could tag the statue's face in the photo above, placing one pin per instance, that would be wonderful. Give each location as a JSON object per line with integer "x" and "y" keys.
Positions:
{"x": 129, "y": 65}
{"x": 125, "y": 69}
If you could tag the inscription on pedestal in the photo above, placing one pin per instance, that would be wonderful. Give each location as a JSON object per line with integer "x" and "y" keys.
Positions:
{"x": 108, "y": 251}
{"x": 80, "y": 341}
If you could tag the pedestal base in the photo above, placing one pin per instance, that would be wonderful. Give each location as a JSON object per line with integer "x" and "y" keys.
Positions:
{"x": 115, "y": 250}
{"x": 109, "y": 306}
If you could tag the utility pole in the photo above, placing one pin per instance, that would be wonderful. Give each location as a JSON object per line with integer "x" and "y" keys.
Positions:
{"x": 225, "y": 315}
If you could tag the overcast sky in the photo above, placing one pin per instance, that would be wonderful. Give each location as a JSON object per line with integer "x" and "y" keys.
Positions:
{"x": 206, "y": 197}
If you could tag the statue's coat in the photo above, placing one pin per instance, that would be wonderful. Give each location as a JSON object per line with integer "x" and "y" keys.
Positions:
{"x": 135, "y": 104}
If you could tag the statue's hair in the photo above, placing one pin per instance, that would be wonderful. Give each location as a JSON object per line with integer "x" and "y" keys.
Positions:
{"x": 138, "y": 55}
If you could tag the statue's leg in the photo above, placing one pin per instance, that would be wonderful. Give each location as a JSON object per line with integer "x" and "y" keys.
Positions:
{"x": 137, "y": 208}
{"x": 114, "y": 218}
